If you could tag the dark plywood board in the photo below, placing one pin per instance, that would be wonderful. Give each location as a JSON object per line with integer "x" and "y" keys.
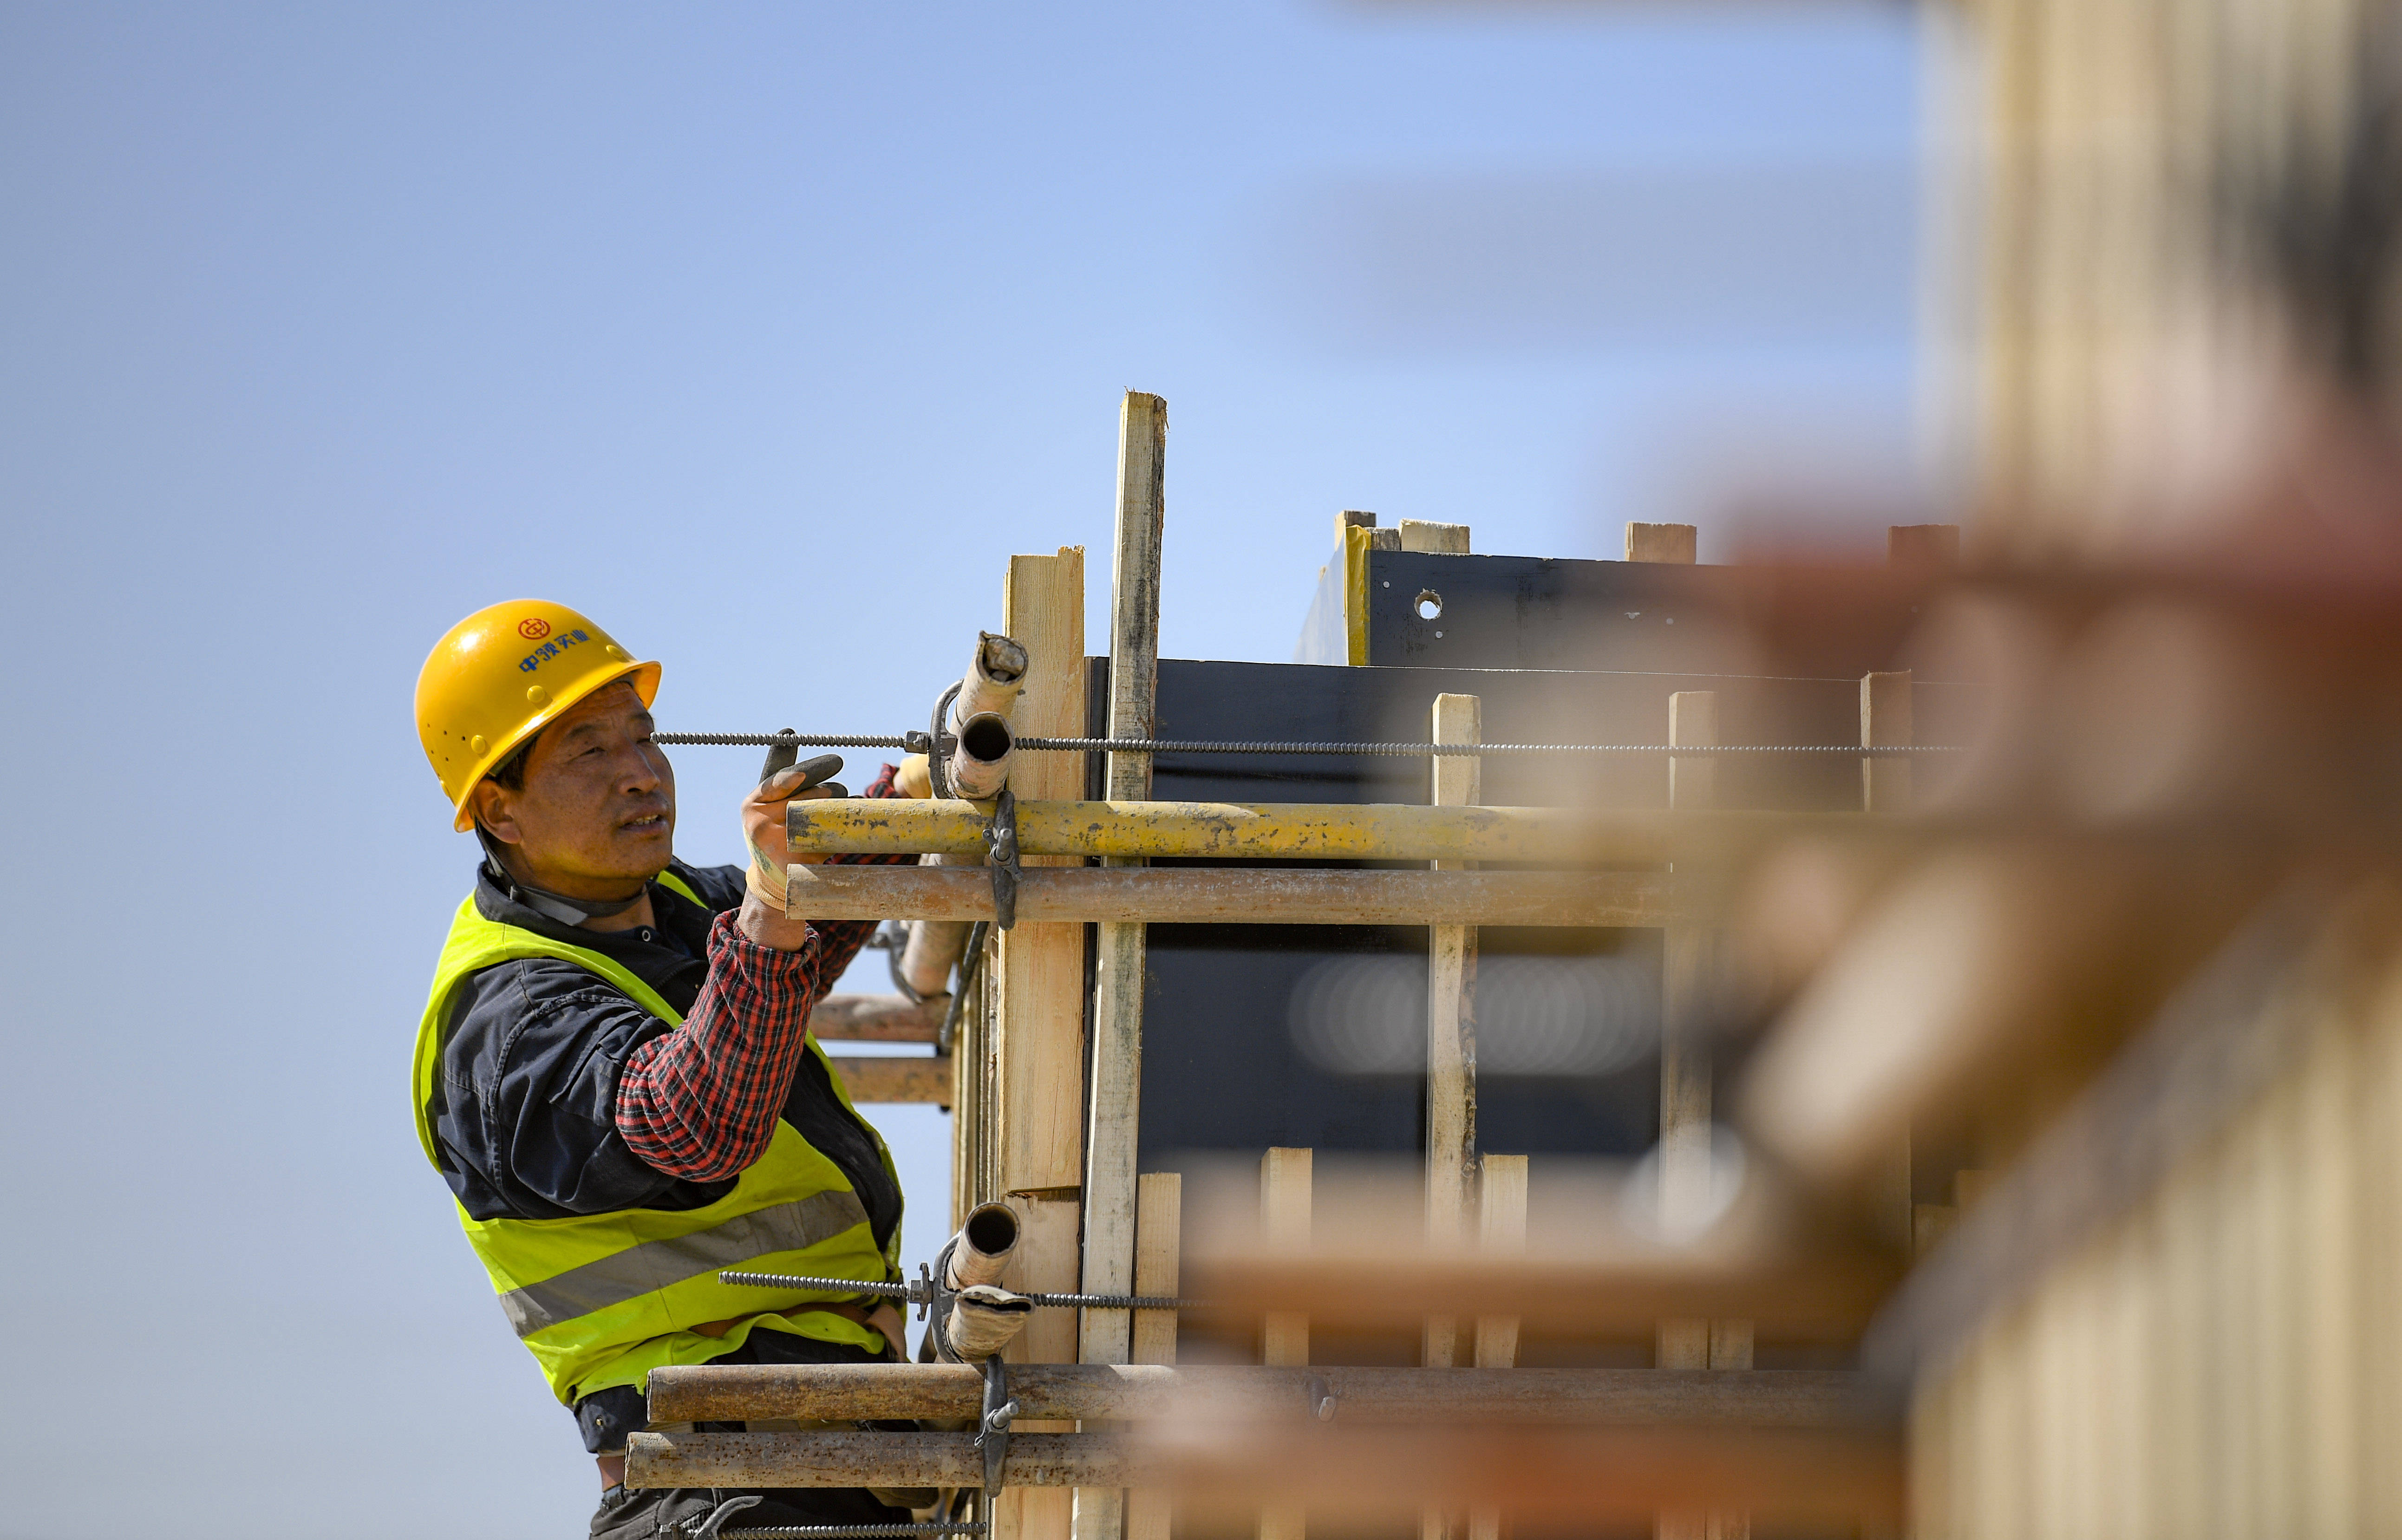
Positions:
{"x": 1236, "y": 1042}
{"x": 1546, "y": 613}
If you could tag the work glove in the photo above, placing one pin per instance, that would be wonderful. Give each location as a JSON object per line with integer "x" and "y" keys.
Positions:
{"x": 763, "y": 813}
{"x": 984, "y": 1318}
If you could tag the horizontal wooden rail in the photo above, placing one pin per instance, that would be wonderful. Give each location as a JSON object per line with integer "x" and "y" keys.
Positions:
{"x": 1830, "y": 1297}
{"x": 1234, "y": 896}
{"x": 736, "y": 1392}
{"x": 878, "y": 1018}
{"x": 878, "y": 1078}
{"x": 842, "y": 1458}
{"x": 1236, "y": 830}
{"x": 1834, "y": 1478}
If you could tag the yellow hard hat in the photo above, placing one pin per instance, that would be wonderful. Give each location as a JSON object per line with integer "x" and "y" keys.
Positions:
{"x": 496, "y": 677}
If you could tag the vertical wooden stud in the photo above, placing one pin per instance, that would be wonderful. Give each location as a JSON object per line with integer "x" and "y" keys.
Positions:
{"x": 1685, "y": 1091}
{"x": 1451, "y": 1029}
{"x": 1159, "y": 1204}
{"x": 1113, "y": 1127}
{"x": 1159, "y": 1216}
{"x": 1039, "y": 1029}
{"x": 1110, "y": 1127}
{"x": 1885, "y": 723}
{"x": 1684, "y": 1060}
{"x": 1670, "y": 543}
{"x": 1284, "y": 1335}
{"x": 1502, "y": 1230}
{"x": 1285, "y": 1179}
{"x": 1038, "y": 1015}
{"x": 1451, "y": 1050}
{"x": 1685, "y": 1063}
{"x": 1045, "y": 1260}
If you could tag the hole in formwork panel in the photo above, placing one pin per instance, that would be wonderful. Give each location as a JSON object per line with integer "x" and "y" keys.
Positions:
{"x": 983, "y": 736}
{"x": 1429, "y": 604}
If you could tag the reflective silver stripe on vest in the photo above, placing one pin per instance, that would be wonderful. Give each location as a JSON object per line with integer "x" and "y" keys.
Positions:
{"x": 653, "y": 1265}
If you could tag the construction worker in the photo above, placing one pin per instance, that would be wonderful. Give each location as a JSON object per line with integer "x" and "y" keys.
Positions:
{"x": 615, "y": 1073}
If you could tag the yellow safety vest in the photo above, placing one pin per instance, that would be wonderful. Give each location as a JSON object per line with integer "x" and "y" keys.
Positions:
{"x": 601, "y": 1300}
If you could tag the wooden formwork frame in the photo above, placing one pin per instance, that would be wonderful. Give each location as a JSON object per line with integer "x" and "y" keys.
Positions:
{"x": 1032, "y": 1130}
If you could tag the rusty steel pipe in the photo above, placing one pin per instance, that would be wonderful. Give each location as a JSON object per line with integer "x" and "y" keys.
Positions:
{"x": 1815, "y": 1474}
{"x": 1235, "y": 896}
{"x": 842, "y": 1392}
{"x": 870, "y": 1459}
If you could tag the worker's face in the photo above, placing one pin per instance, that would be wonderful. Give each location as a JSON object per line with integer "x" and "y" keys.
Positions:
{"x": 595, "y": 816}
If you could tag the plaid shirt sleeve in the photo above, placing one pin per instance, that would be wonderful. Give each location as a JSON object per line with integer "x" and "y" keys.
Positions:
{"x": 700, "y": 1102}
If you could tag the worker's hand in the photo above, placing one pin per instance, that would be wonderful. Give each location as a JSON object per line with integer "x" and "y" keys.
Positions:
{"x": 911, "y": 779}
{"x": 764, "y": 822}
{"x": 984, "y": 1318}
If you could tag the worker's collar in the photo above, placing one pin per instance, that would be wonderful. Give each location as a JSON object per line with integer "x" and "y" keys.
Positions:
{"x": 541, "y": 901}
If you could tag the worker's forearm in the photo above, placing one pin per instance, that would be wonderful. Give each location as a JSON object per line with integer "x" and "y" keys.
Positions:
{"x": 700, "y": 1102}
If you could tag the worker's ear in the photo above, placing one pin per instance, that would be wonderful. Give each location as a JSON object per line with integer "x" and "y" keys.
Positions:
{"x": 496, "y": 810}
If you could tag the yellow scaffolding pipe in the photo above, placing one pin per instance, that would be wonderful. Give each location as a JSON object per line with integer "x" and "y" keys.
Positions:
{"x": 1400, "y": 831}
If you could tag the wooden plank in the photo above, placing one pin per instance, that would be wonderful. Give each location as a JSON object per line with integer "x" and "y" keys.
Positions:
{"x": 1451, "y": 1031}
{"x": 1159, "y": 1214}
{"x": 1817, "y": 1295}
{"x": 1885, "y": 723}
{"x": 1038, "y": 1006}
{"x": 1134, "y": 594}
{"x": 1816, "y": 1477}
{"x": 1039, "y": 1011}
{"x": 1045, "y": 1260}
{"x": 1111, "y": 1127}
{"x": 1285, "y": 1188}
{"x": 1500, "y": 1231}
{"x": 1686, "y": 1166}
{"x": 1445, "y": 540}
{"x": 1231, "y": 896}
{"x": 882, "y": 1077}
{"x": 1110, "y": 1113}
{"x": 1237, "y": 831}
{"x": 1285, "y": 1191}
{"x": 1670, "y": 543}
{"x": 839, "y": 1392}
{"x": 1159, "y": 1209}
{"x": 1684, "y": 1340}
{"x": 877, "y": 1019}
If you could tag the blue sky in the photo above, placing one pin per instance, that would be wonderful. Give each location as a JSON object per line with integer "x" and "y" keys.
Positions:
{"x": 764, "y": 334}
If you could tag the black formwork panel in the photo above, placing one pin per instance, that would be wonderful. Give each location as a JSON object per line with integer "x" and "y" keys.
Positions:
{"x": 1311, "y": 1036}
{"x": 1314, "y": 1035}
{"x": 1544, "y": 612}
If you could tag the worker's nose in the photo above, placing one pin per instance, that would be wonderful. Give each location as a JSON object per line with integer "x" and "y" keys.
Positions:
{"x": 641, "y": 772}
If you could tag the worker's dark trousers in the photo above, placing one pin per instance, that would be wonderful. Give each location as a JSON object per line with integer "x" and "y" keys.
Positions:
{"x": 674, "y": 1513}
